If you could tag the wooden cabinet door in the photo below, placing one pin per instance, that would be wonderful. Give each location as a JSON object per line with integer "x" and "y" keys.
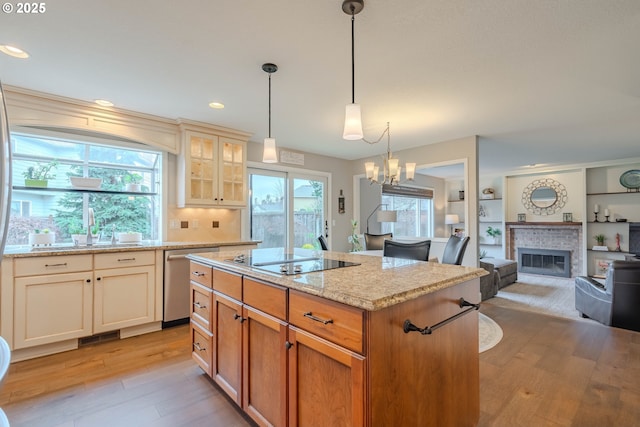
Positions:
{"x": 227, "y": 360}
{"x": 232, "y": 172}
{"x": 326, "y": 383}
{"x": 52, "y": 308}
{"x": 201, "y": 169}
{"x": 123, "y": 297}
{"x": 264, "y": 392}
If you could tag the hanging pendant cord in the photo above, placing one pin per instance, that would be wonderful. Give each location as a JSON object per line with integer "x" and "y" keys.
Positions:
{"x": 269, "y": 105}
{"x": 353, "y": 55}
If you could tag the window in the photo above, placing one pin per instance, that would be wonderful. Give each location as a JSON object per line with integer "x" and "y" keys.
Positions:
{"x": 287, "y": 209}
{"x": 415, "y": 211}
{"x": 65, "y": 212}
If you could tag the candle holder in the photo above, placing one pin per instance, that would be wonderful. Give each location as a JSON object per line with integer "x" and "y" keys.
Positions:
{"x": 596, "y": 215}
{"x": 606, "y": 218}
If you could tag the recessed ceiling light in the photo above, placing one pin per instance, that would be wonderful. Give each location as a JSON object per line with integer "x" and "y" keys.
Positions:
{"x": 216, "y": 105}
{"x": 13, "y": 51}
{"x": 104, "y": 103}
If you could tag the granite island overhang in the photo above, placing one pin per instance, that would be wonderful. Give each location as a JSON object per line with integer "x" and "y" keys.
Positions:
{"x": 375, "y": 283}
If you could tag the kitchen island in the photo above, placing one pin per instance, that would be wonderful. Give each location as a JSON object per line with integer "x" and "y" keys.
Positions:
{"x": 372, "y": 341}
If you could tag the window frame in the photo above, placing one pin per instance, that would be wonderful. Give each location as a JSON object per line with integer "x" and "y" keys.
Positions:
{"x": 158, "y": 172}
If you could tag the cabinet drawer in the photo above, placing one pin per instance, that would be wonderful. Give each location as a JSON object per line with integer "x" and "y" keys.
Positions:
{"x": 200, "y": 274}
{"x": 333, "y": 321}
{"x": 124, "y": 259}
{"x": 201, "y": 305}
{"x": 268, "y": 298}
{"x": 202, "y": 347}
{"x": 37, "y": 266}
{"x": 228, "y": 283}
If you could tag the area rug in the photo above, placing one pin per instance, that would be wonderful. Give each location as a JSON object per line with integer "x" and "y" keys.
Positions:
{"x": 490, "y": 332}
{"x": 553, "y": 296}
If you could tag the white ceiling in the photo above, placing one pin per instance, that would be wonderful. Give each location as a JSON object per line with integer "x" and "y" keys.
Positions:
{"x": 540, "y": 81}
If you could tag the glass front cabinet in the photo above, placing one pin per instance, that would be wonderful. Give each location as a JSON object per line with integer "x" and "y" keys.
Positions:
{"x": 212, "y": 168}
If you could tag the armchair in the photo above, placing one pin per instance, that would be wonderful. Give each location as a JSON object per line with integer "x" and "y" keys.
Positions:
{"x": 374, "y": 242}
{"x": 454, "y": 250}
{"x": 324, "y": 245}
{"x": 417, "y": 250}
{"x": 616, "y": 302}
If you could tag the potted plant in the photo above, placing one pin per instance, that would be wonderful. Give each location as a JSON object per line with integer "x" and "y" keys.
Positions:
{"x": 42, "y": 237}
{"x": 38, "y": 176}
{"x": 495, "y": 233}
{"x": 78, "y": 235}
{"x": 133, "y": 182}
{"x": 600, "y": 238}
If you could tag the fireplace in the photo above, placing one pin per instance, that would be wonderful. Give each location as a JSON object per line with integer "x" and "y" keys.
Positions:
{"x": 560, "y": 236}
{"x": 544, "y": 261}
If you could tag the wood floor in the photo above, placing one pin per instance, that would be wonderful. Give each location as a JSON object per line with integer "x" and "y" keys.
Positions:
{"x": 546, "y": 371}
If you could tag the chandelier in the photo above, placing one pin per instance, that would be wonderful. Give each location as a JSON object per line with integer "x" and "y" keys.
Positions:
{"x": 391, "y": 170}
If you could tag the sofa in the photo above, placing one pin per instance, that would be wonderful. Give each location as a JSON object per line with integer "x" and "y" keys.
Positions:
{"x": 506, "y": 269}
{"x": 488, "y": 283}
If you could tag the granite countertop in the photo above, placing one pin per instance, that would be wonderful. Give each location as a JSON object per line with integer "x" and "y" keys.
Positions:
{"x": 376, "y": 283}
{"x": 24, "y": 251}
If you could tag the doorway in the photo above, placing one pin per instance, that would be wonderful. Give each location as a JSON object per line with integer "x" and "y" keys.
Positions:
{"x": 287, "y": 209}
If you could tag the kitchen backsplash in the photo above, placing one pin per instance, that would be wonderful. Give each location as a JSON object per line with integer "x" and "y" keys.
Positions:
{"x": 200, "y": 228}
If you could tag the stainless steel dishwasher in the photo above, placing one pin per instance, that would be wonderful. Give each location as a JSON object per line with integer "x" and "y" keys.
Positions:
{"x": 176, "y": 285}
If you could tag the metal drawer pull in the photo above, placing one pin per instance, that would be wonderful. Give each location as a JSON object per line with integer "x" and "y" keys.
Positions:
{"x": 126, "y": 259}
{"x": 63, "y": 264}
{"x": 198, "y": 274}
{"x": 196, "y": 345}
{"x": 317, "y": 319}
{"x": 197, "y": 305}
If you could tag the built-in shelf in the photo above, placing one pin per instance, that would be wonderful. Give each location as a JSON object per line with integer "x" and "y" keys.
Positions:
{"x": 614, "y": 192}
{"x": 489, "y": 200}
{"x": 610, "y": 222}
{"x": 490, "y": 221}
{"x": 83, "y": 190}
{"x": 611, "y": 252}
{"x": 455, "y": 201}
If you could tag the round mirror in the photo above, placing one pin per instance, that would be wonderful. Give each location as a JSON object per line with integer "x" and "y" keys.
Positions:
{"x": 543, "y": 197}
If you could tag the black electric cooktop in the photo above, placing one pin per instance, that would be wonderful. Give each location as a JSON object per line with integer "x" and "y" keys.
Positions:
{"x": 290, "y": 264}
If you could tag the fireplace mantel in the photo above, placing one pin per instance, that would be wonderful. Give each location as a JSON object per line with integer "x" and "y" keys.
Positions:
{"x": 546, "y": 235}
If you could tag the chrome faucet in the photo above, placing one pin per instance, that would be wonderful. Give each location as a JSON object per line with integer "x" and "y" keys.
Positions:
{"x": 90, "y": 223}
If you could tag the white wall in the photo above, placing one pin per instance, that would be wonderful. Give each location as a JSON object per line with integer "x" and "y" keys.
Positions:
{"x": 572, "y": 180}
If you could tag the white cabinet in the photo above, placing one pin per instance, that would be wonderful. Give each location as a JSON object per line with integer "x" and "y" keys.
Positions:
{"x": 52, "y": 308}
{"x": 58, "y": 298}
{"x": 53, "y": 299}
{"x": 212, "y": 168}
{"x": 123, "y": 290}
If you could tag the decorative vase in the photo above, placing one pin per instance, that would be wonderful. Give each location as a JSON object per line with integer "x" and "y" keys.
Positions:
{"x": 42, "y": 183}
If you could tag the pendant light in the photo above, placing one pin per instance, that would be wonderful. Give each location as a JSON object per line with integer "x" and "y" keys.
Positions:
{"x": 353, "y": 116}
{"x": 269, "y": 153}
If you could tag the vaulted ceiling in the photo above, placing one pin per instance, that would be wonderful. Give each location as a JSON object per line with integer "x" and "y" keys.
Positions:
{"x": 543, "y": 81}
